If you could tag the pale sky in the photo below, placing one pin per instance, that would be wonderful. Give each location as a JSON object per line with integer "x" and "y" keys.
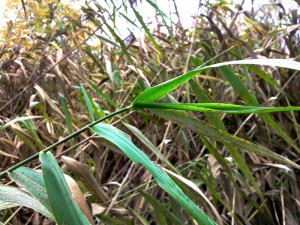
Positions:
{"x": 2, "y": 6}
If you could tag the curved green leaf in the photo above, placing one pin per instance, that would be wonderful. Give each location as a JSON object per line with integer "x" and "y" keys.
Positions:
{"x": 17, "y": 197}
{"x": 8, "y": 205}
{"x": 18, "y": 119}
{"x": 33, "y": 182}
{"x": 148, "y": 143}
{"x": 122, "y": 140}
{"x": 160, "y": 90}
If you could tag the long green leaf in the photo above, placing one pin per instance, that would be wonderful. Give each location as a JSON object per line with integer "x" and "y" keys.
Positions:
{"x": 15, "y": 196}
{"x": 33, "y": 182}
{"x": 17, "y": 120}
{"x": 88, "y": 102}
{"x": 216, "y": 107}
{"x": 160, "y": 90}
{"x": 65, "y": 209}
{"x": 122, "y": 140}
{"x": 146, "y": 142}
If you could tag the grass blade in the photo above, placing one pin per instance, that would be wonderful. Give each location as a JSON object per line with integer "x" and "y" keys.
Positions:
{"x": 146, "y": 142}
{"x": 122, "y": 140}
{"x": 162, "y": 213}
{"x": 216, "y": 107}
{"x": 65, "y": 209}
{"x": 160, "y": 90}
{"x": 32, "y": 181}
{"x": 15, "y": 196}
{"x": 221, "y": 136}
{"x": 88, "y": 102}
{"x": 67, "y": 115}
{"x": 18, "y": 119}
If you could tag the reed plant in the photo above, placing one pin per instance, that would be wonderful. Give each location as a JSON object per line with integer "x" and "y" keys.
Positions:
{"x": 183, "y": 126}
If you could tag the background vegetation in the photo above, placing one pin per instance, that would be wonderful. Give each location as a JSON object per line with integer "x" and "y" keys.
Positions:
{"x": 62, "y": 67}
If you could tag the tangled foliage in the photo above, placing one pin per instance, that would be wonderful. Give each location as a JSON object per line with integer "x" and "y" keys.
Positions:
{"x": 54, "y": 56}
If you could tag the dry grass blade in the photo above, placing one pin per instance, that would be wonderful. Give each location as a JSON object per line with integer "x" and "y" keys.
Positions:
{"x": 222, "y": 136}
{"x": 83, "y": 173}
{"x": 79, "y": 198}
{"x": 99, "y": 209}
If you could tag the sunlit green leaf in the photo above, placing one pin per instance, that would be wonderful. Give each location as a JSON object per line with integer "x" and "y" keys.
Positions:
{"x": 122, "y": 140}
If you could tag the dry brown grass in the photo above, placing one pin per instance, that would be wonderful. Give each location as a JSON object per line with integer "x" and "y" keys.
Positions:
{"x": 51, "y": 61}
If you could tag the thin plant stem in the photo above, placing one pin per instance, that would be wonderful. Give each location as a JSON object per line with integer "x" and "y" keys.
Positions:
{"x": 55, "y": 145}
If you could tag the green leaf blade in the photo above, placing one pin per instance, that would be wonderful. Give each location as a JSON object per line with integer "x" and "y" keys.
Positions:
{"x": 65, "y": 209}
{"x": 17, "y": 197}
{"x": 216, "y": 107}
{"x": 160, "y": 90}
{"x": 88, "y": 102}
{"x": 121, "y": 139}
{"x": 33, "y": 182}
